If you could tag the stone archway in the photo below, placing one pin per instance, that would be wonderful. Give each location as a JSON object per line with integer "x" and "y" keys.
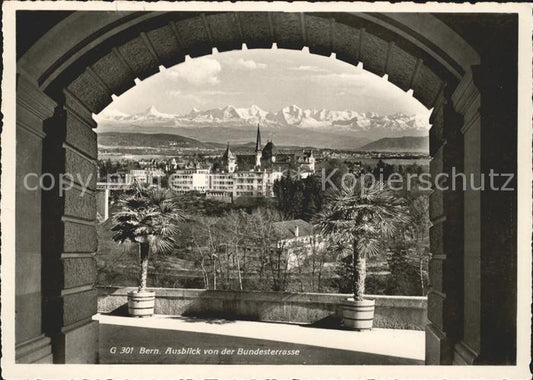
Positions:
{"x": 63, "y": 81}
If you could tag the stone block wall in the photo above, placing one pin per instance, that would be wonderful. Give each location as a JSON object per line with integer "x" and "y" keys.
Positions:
{"x": 69, "y": 234}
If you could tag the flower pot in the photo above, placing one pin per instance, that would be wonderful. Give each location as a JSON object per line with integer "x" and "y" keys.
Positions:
{"x": 358, "y": 315}
{"x": 141, "y": 304}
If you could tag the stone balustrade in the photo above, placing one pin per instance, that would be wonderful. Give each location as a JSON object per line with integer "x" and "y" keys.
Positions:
{"x": 399, "y": 312}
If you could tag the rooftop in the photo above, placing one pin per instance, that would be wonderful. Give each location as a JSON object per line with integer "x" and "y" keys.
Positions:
{"x": 287, "y": 228}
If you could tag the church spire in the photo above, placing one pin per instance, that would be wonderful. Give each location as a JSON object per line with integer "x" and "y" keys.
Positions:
{"x": 229, "y": 160}
{"x": 227, "y": 152}
{"x": 258, "y": 140}
{"x": 258, "y": 151}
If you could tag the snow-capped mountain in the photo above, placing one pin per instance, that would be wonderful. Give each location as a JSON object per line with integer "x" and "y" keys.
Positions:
{"x": 291, "y": 124}
{"x": 290, "y": 116}
{"x": 223, "y": 114}
{"x": 112, "y": 114}
{"x": 151, "y": 113}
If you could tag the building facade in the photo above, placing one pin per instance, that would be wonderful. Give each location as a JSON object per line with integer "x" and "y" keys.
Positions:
{"x": 186, "y": 180}
{"x": 231, "y": 181}
{"x": 298, "y": 239}
{"x": 255, "y": 183}
{"x": 144, "y": 175}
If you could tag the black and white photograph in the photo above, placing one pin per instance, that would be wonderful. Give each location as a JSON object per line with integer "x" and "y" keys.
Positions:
{"x": 269, "y": 190}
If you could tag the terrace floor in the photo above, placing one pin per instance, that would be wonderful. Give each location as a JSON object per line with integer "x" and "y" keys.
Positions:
{"x": 164, "y": 339}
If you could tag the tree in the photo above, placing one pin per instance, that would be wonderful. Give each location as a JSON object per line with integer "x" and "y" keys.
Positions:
{"x": 415, "y": 241}
{"x": 269, "y": 258}
{"x": 310, "y": 255}
{"x": 149, "y": 217}
{"x": 236, "y": 222}
{"x": 298, "y": 198}
{"x": 332, "y": 172}
{"x": 383, "y": 171}
{"x": 403, "y": 278}
{"x": 411, "y": 252}
{"x": 361, "y": 220}
{"x": 312, "y": 197}
{"x": 207, "y": 238}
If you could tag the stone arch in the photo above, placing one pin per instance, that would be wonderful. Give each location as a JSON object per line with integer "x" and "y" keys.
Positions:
{"x": 166, "y": 45}
{"x": 63, "y": 81}
{"x": 111, "y": 68}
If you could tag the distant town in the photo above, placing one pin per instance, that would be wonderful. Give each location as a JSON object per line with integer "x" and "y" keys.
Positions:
{"x": 231, "y": 171}
{"x": 270, "y": 193}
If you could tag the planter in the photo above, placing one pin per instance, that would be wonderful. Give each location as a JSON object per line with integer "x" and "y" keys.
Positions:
{"x": 358, "y": 315}
{"x": 141, "y": 304}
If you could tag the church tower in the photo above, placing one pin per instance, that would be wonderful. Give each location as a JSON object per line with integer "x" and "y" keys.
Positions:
{"x": 229, "y": 160}
{"x": 258, "y": 150}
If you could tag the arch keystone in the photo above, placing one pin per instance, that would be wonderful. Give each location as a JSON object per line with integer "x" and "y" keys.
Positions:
{"x": 288, "y": 30}
{"x": 225, "y": 32}
{"x": 318, "y": 35}
{"x": 256, "y": 30}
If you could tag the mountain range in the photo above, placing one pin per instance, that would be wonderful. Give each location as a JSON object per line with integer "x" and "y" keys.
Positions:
{"x": 160, "y": 143}
{"x": 291, "y": 125}
{"x": 109, "y": 140}
{"x": 415, "y": 144}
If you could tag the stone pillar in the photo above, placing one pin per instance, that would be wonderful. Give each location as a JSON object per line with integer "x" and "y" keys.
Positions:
{"x": 69, "y": 234}
{"x": 489, "y": 100}
{"x": 466, "y": 99}
{"x": 446, "y": 234}
{"x": 33, "y": 107}
{"x": 102, "y": 204}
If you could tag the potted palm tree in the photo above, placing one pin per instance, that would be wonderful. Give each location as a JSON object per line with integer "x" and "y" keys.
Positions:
{"x": 149, "y": 217}
{"x": 360, "y": 221}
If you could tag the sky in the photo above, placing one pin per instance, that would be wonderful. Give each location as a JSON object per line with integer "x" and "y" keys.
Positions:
{"x": 269, "y": 78}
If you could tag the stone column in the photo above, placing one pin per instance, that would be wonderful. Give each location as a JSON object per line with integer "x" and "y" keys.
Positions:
{"x": 446, "y": 234}
{"x": 33, "y": 107}
{"x": 69, "y": 234}
{"x": 489, "y": 100}
{"x": 466, "y": 99}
